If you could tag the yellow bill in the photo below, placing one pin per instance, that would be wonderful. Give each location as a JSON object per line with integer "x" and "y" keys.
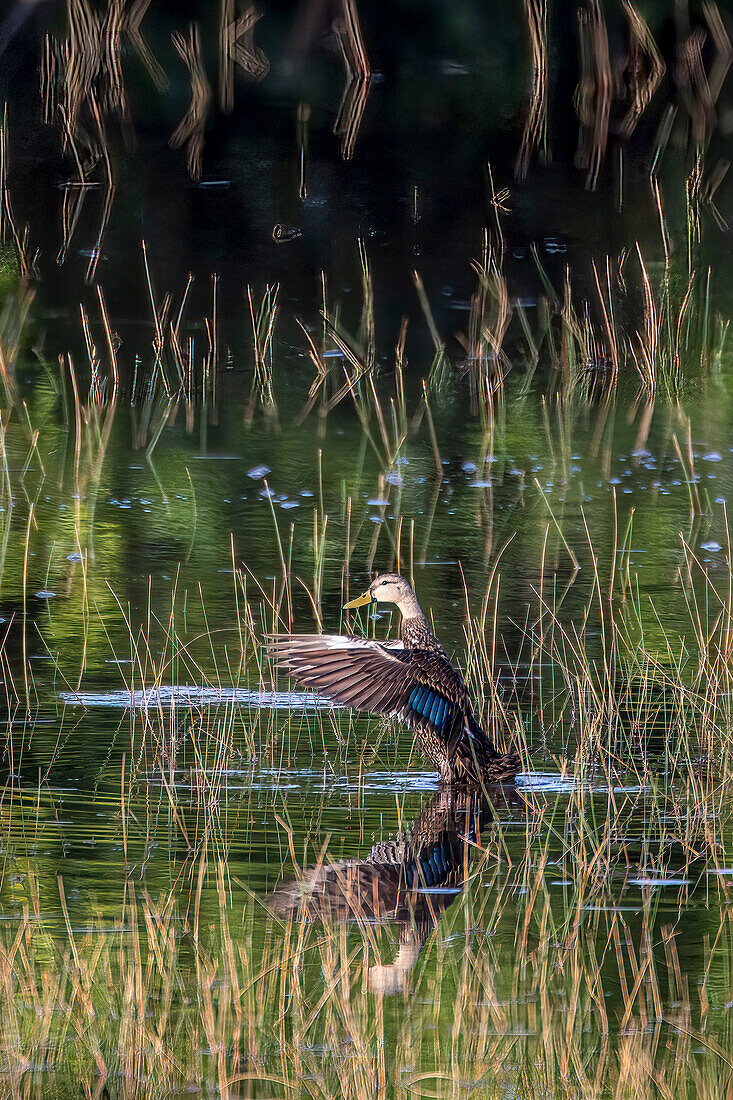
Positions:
{"x": 365, "y": 598}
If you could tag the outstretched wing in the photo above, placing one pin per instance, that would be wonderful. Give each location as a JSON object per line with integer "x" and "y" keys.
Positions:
{"x": 420, "y": 687}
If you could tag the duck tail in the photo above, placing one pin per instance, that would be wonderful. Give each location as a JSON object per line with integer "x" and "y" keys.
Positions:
{"x": 478, "y": 754}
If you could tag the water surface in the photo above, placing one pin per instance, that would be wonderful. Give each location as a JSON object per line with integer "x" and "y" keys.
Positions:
{"x": 175, "y": 485}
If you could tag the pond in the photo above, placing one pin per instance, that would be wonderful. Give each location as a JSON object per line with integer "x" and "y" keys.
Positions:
{"x": 291, "y": 297}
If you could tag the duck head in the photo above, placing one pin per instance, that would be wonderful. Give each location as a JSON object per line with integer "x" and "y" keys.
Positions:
{"x": 389, "y": 588}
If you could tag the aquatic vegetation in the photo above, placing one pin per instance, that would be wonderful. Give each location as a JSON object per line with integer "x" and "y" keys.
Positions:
{"x": 452, "y": 303}
{"x": 540, "y": 961}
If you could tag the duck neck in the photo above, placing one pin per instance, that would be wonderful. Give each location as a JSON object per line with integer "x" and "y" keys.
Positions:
{"x": 409, "y": 608}
{"x": 415, "y": 629}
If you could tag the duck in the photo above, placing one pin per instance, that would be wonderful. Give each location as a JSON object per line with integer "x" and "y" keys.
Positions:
{"x": 408, "y": 880}
{"x": 410, "y": 678}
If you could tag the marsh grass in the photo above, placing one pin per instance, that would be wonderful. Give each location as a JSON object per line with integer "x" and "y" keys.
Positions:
{"x": 522, "y": 987}
{"x": 263, "y": 318}
{"x": 592, "y": 658}
{"x": 589, "y": 953}
{"x": 607, "y": 666}
{"x": 563, "y": 968}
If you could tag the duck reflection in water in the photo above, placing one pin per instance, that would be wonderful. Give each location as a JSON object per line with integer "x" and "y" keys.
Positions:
{"x": 410, "y": 880}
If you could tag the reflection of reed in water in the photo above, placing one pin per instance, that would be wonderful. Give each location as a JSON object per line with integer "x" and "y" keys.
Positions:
{"x": 410, "y": 880}
{"x": 190, "y": 130}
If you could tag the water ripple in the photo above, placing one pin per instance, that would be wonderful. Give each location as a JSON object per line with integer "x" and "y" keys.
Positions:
{"x": 188, "y": 695}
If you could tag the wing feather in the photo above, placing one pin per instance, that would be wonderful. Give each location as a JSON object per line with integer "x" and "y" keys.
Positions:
{"x": 419, "y": 686}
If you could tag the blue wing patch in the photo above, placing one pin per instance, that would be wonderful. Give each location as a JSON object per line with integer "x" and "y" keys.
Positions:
{"x": 429, "y": 704}
{"x": 430, "y": 868}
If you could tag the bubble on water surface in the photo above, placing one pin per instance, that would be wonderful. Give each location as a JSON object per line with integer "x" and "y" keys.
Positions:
{"x": 45, "y": 594}
{"x": 711, "y": 545}
{"x": 75, "y": 557}
{"x": 258, "y": 472}
{"x": 712, "y": 456}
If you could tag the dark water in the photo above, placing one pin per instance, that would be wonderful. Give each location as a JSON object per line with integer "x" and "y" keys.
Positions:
{"x": 149, "y": 540}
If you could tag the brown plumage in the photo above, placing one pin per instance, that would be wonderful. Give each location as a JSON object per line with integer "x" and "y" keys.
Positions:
{"x": 410, "y": 880}
{"x": 411, "y": 679}
{"x": 391, "y": 881}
